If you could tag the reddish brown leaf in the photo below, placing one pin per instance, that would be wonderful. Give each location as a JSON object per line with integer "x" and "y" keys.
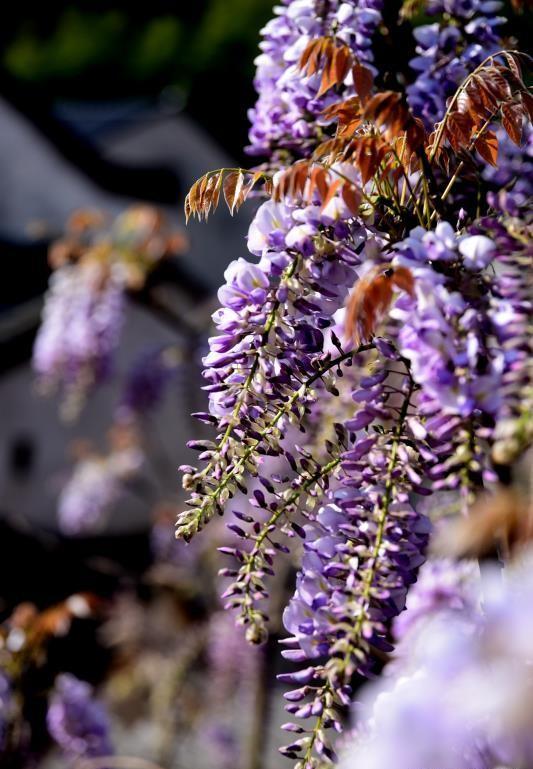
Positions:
{"x": 403, "y": 279}
{"x": 292, "y": 182}
{"x": 332, "y": 191}
{"x": 389, "y": 111}
{"x": 342, "y": 60}
{"x": 216, "y": 191}
{"x": 512, "y": 119}
{"x": 318, "y": 179}
{"x": 487, "y": 146}
{"x": 527, "y": 100}
{"x": 370, "y": 299}
{"x": 495, "y": 83}
{"x": 366, "y": 161}
{"x": 363, "y": 80}
{"x": 351, "y": 197}
{"x": 415, "y": 134}
{"x": 191, "y": 201}
{"x": 246, "y": 187}
{"x": 514, "y": 65}
{"x": 336, "y": 65}
{"x": 332, "y": 59}
{"x": 459, "y": 130}
{"x": 306, "y": 55}
{"x": 232, "y": 189}
{"x": 348, "y": 115}
{"x": 311, "y": 56}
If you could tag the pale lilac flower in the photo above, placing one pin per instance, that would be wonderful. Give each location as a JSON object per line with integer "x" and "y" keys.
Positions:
{"x": 462, "y": 695}
{"x": 80, "y": 330}
{"x": 94, "y": 487}
{"x": 76, "y": 721}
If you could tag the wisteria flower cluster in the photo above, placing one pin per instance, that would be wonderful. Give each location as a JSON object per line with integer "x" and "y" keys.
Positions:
{"x": 377, "y": 346}
{"x": 77, "y": 721}
{"x": 289, "y": 104}
{"x": 94, "y": 264}
{"x": 97, "y": 481}
{"x": 449, "y": 49}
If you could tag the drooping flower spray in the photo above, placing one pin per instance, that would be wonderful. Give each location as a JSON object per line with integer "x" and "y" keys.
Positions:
{"x": 374, "y": 287}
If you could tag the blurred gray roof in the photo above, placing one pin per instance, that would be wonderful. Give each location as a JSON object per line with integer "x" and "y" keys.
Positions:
{"x": 38, "y": 186}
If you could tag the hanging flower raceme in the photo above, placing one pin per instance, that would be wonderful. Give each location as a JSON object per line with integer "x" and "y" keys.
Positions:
{"x": 76, "y": 721}
{"x": 270, "y": 348}
{"x": 449, "y": 50}
{"x": 445, "y": 334}
{"x": 422, "y": 408}
{"x": 84, "y": 308}
{"x": 82, "y": 322}
{"x": 511, "y": 180}
{"x": 290, "y": 100}
{"x": 97, "y": 482}
{"x": 510, "y": 313}
{"x": 465, "y": 336}
{"x": 147, "y": 381}
{"x": 361, "y": 553}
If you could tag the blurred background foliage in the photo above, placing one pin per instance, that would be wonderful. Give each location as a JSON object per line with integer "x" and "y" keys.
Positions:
{"x": 193, "y": 55}
{"x": 196, "y": 55}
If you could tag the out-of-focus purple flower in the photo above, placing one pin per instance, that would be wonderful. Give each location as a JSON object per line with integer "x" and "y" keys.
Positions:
{"x": 461, "y": 695}
{"x": 80, "y": 330}
{"x": 477, "y": 251}
{"x": 6, "y": 705}
{"x": 511, "y": 180}
{"x": 233, "y": 666}
{"x": 76, "y": 721}
{"x": 441, "y": 586}
{"x": 233, "y": 663}
{"x": 222, "y": 742}
{"x": 148, "y": 379}
{"x": 95, "y": 485}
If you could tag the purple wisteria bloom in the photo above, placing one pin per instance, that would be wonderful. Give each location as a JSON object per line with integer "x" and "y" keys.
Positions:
{"x": 361, "y": 554}
{"x": 441, "y": 586}
{"x": 94, "y": 486}
{"x": 509, "y": 315}
{"x": 511, "y": 181}
{"x": 147, "y": 381}
{"x": 6, "y": 706}
{"x": 446, "y": 339}
{"x": 464, "y": 333}
{"x": 449, "y": 50}
{"x": 80, "y": 330}
{"x": 76, "y": 721}
{"x": 287, "y": 109}
{"x": 271, "y": 328}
